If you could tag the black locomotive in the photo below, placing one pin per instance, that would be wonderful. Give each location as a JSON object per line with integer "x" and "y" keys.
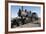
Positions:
{"x": 24, "y": 17}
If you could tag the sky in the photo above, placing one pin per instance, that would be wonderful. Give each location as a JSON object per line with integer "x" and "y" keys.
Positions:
{"x": 15, "y": 9}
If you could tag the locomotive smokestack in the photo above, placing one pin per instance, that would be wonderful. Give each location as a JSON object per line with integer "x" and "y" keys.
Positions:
{"x": 22, "y": 8}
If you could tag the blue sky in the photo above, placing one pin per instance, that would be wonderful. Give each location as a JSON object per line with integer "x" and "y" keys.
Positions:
{"x": 14, "y": 9}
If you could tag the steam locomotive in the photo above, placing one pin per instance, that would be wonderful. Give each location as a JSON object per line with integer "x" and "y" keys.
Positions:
{"x": 24, "y": 17}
